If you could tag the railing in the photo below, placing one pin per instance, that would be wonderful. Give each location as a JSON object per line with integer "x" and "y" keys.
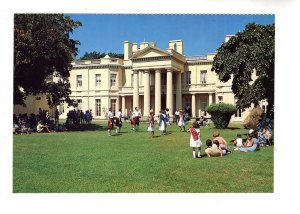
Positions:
{"x": 99, "y": 61}
{"x": 198, "y": 86}
{"x": 184, "y": 88}
{"x": 194, "y": 58}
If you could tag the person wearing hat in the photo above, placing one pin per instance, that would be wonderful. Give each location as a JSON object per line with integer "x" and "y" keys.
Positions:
{"x": 195, "y": 141}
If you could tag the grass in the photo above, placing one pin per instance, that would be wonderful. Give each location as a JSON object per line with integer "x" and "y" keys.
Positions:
{"x": 91, "y": 161}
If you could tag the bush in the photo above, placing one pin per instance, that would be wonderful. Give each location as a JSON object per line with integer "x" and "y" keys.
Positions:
{"x": 221, "y": 114}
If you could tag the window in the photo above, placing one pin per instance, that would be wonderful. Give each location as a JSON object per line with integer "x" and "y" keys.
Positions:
{"x": 203, "y": 77}
{"x": 188, "y": 78}
{"x": 175, "y": 47}
{"x": 79, "y": 80}
{"x": 113, "y": 78}
{"x": 132, "y": 80}
{"x": 98, "y": 80}
{"x": 220, "y": 99}
{"x": 98, "y": 107}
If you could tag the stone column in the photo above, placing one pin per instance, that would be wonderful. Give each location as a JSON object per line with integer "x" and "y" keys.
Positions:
{"x": 146, "y": 94}
{"x": 117, "y": 105}
{"x": 157, "y": 92}
{"x": 178, "y": 91}
{"x": 135, "y": 89}
{"x": 209, "y": 98}
{"x": 123, "y": 105}
{"x": 193, "y": 105}
{"x": 169, "y": 91}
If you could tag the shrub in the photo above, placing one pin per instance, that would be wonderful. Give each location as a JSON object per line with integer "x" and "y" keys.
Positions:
{"x": 221, "y": 114}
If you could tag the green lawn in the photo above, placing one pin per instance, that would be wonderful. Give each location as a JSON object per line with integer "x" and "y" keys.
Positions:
{"x": 91, "y": 161}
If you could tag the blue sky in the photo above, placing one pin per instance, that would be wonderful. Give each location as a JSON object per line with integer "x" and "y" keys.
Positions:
{"x": 202, "y": 34}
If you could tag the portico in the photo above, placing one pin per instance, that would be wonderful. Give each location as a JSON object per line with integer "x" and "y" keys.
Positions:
{"x": 164, "y": 68}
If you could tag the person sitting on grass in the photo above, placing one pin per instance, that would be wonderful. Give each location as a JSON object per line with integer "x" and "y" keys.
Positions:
{"x": 252, "y": 143}
{"x": 221, "y": 140}
{"x": 25, "y": 128}
{"x": 42, "y": 128}
{"x": 213, "y": 149}
{"x": 195, "y": 141}
{"x": 238, "y": 142}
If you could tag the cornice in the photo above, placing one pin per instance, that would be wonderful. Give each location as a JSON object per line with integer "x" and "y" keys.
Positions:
{"x": 200, "y": 63}
{"x": 95, "y": 66}
{"x": 147, "y": 59}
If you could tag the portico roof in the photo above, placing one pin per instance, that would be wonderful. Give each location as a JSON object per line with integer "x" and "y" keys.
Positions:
{"x": 154, "y": 52}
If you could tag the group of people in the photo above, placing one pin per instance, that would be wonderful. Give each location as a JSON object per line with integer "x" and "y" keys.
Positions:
{"x": 114, "y": 120}
{"x": 77, "y": 117}
{"x": 24, "y": 124}
{"x": 42, "y": 122}
{"x": 217, "y": 146}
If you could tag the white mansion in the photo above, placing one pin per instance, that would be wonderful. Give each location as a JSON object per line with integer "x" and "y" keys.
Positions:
{"x": 148, "y": 78}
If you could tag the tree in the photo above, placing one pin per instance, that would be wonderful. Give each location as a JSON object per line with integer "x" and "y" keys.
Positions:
{"x": 42, "y": 47}
{"x": 98, "y": 55}
{"x": 92, "y": 55}
{"x": 221, "y": 114}
{"x": 248, "y": 52}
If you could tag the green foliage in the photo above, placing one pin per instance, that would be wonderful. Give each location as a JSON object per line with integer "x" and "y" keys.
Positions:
{"x": 98, "y": 55}
{"x": 248, "y": 52}
{"x": 221, "y": 114}
{"x": 92, "y": 55}
{"x": 90, "y": 161}
{"x": 41, "y": 47}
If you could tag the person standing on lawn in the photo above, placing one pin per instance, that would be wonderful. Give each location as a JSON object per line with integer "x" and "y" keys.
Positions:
{"x": 195, "y": 141}
{"x": 162, "y": 122}
{"x": 151, "y": 123}
{"x": 110, "y": 121}
{"x": 181, "y": 122}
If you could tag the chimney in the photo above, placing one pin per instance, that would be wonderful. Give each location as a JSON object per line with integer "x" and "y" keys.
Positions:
{"x": 176, "y": 45}
{"x": 127, "y": 50}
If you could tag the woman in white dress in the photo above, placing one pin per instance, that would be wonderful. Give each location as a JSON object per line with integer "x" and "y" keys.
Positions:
{"x": 181, "y": 122}
{"x": 195, "y": 141}
{"x": 162, "y": 122}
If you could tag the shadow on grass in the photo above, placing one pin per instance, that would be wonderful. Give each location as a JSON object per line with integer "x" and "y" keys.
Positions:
{"x": 86, "y": 127}
{"x": 233, "y": 128}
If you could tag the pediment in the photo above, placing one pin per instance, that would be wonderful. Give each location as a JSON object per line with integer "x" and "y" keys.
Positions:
{"x": 151, "y": 52}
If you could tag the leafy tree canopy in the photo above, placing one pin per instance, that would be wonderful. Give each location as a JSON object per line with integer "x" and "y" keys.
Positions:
{"x": 248, "y": 52}
{"x": 98, "y": 55}
{"x": 42, "y": 47}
